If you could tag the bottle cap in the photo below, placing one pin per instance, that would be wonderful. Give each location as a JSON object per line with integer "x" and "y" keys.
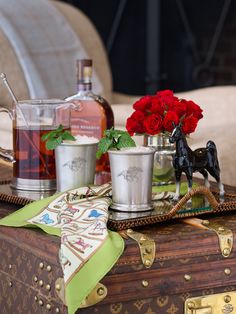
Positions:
{"x": 84, "y": 70}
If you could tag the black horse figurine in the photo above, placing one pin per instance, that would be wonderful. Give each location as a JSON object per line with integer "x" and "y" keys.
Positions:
{"x": 203, "y": 160}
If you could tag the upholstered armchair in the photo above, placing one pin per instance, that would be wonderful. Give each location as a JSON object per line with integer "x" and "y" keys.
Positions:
{"x": 62, "y": 20}
{"x": 40, "y": 42}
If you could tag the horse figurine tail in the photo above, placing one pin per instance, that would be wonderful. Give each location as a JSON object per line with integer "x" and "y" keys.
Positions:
{"x": 214, "y": 169}
{"x": 211, "y": 146}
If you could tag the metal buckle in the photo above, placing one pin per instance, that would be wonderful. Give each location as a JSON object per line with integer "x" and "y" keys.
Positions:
{"x": 146, "y": 245}
{"x": 212, "y": 304}
{"x": 96, "y": 295}
{"x": 225, "y": 236}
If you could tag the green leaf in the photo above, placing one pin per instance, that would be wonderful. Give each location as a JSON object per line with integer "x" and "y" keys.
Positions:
{"x": 117, "y": 133}
{"x": 52, "y": 143}
{"x": 103, "y": 146}
{"x": 125, "y": 141}
{"x": 48, "y": 135}
{"x": 107, "y": 133}
{"x": 116, "y": 139}
{"x": 56, "y": 137}
{"x": 60, "y": 128}
{"x": 67, "y": 136}
{"x": 45, "y": 136}
{"x": 59, "y": 139}
{"x": 112, "y": 133}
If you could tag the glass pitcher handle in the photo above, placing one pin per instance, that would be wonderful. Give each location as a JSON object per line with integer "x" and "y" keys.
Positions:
{"x": 9, "y": 112}
{"x": 7, "y": 154}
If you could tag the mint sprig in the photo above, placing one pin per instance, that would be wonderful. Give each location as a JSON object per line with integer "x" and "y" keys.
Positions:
{"x": 56, "y": 137}
{"x": 114, "y": 139}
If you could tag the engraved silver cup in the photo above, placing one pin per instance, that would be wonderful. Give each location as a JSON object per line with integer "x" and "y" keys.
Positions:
{"x": 131, "y": 174}
{"x": 75, "y": 165}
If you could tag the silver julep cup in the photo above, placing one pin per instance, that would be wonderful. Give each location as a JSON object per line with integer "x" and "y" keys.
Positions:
{"x": 75, "y": 165}
{"x": 131, "y": 174}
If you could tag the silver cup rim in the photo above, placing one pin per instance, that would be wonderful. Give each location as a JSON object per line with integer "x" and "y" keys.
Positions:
{"x": 78, "y": 144}
{"x": 131, "y": 151}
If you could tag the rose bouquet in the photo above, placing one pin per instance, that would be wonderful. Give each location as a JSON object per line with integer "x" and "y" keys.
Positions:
{"x": 160, "y": 113}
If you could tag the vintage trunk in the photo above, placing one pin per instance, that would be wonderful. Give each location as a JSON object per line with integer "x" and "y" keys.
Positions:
{"x": 188, "y": 263}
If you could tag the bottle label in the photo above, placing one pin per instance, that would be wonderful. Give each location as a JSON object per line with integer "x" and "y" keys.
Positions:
{"x": 82, "y": 127}
{"x": 89, "y": 119}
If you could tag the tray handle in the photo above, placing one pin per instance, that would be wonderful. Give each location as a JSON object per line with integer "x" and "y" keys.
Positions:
{"x": 200, "y": 190}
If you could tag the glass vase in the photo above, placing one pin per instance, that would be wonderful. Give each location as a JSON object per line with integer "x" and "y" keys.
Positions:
{"x": 163, "y": 171}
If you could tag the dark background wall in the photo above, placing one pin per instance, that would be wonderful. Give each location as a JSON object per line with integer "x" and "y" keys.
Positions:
{"x": 194, "y": 42}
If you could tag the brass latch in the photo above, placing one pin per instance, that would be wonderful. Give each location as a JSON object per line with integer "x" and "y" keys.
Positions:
{"x": 146, "y": 245}
{"x": 212, "y": 304}
{"x": 96, "y": 295}
{"x": 225, "y": 236}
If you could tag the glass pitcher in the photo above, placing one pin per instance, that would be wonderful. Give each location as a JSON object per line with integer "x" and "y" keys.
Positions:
{"x": 33, "y": 164}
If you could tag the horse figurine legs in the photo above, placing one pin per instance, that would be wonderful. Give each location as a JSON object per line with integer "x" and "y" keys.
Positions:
{"x": 177, "y": 191}
{"x": 177, "y": 185}
{"x": 205, "y": 175}
{"x": 222, "y": 191}
{"x": 189, "y": 176}
{"x": 216, "y": 175}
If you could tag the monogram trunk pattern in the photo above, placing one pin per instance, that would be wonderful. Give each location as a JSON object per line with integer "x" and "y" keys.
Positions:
{"x": 180, "y": 249}
{"x": 163, "y": 304}
{"x": 29, "y": 267}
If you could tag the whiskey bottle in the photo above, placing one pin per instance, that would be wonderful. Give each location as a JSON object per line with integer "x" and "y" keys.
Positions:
{"x": 93, "y": 114}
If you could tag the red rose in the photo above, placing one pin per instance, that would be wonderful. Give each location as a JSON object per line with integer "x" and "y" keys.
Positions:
{"x": 165, "y": 93}
{"x": 143, "y": 103}
{"x": 193, "y": 109}
{"x": 180, "y": 108}
{"x": 157, "y": 106}
{"x": 167, "y": 98}
{"x": 134, "y": 126}
{"x": 170, "y": 118}
{"x": 189, "y": 124}
{"x": 158, "y": 113}
{"x": 138, "y": 115}
{"x": 153, "y": 124}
